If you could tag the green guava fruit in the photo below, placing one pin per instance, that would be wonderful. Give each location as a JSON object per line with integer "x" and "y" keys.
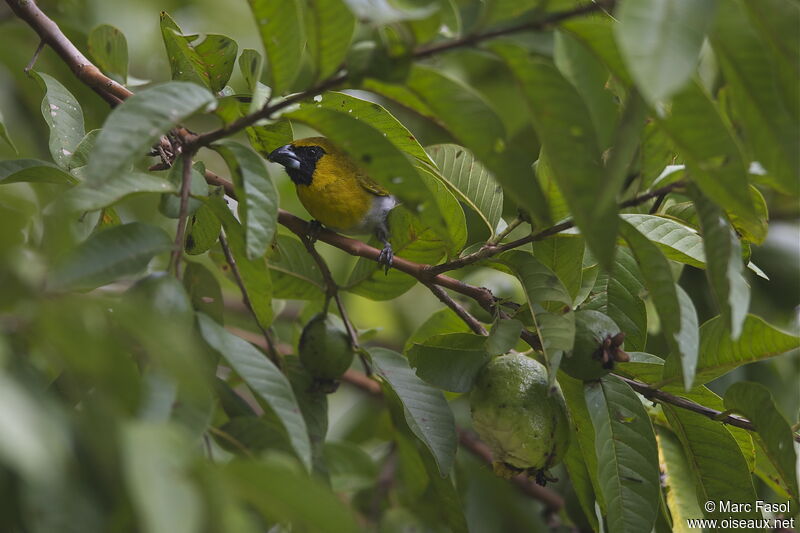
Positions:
{"x": 325, "y": 349}
{"x": 598, "y": 345}
{"x": 526, "y": 427}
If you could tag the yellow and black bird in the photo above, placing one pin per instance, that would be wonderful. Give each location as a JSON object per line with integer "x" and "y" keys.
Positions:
{"x": 336, "y": 191}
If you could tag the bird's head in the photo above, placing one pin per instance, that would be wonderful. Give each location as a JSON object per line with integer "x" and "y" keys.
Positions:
{"x": 300, "y": 157}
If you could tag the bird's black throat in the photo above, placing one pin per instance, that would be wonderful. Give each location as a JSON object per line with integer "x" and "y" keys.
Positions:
{"x": 308, "y": 156}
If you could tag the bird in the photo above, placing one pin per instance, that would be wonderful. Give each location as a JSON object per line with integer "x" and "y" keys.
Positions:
{"x": 336, "y": 191}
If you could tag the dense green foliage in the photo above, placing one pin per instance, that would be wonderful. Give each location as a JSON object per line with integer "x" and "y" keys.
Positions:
{"x": 636, "y": 158}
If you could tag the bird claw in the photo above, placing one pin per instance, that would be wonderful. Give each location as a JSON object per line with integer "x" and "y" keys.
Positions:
{"x": 386, "y": 257}
{"x": 314, "y": 227}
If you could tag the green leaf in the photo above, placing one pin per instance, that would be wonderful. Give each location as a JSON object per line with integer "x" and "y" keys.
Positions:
{"x": 564, "y": 256}
{"x": 725, "y": 266}
{"x": 770, "y": 128}
{"x": 450, "y": 361}
{"x": 376, "y": 116}
{"x": 256, "y": 277}
{"x": 442, "y": 321}
{"x": 108, "y": 256}
{"x": 619, "y": 294}
{"x": 284, "y": 495}
{"x": 294, "y": 272}
{"x": 470, "y": 182}
{"x": 720, "y": 472}
{"x": 330, "y": 30}
{"x": 719, "y": 354}
{"x": 81, "y": 156}
{"x": 680, "y": 491}
{"x": 458, "y": 108}
{"x": 109, "y": 50}
{"x": 350, "y": 467}
{"x": 208, "y": 63}
{"x": 243, "y": 434}
{"x": 447, "y": 220}
{"x": 627, "y": 455}
{"x": 267, "y": 137}
{"x": 5, "y": 136}
{"x": 503, "y": 336}
{"x": 280, "y": 25}
{"x": 258, "y": 199}
{"x": 672, "y": 303}
{"x": 250, "y": 64}
{"x": 712, "y": 156}
{"x": 204, "y": 290}
{"x": 264, "y": 378}
{"x": 755, "y": 401}
{"x": 170, "y": 204}
{"x": 33, "y": 171}
{"x": 661, "y": 40}
{"x": 426, "y": 411}
{"x": 156, "y": 468}
{"x": 313, "y": 406}
{"x": 555, "y": 326}
{"x": 589, "y": 76}
{"x": 677, "y": 241}
{"x": 502, "y": 10}
{"x": 64, "y": 117}
{"x": 596, "y": 33}
{"x": 203, "y": 231}
{"x": 88, "y": 197}
{"x": 568, "y": 137}
{"x": 139, "y": 121}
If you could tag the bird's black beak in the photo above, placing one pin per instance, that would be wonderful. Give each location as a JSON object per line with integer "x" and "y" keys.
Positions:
{"x": 285, "y": 156}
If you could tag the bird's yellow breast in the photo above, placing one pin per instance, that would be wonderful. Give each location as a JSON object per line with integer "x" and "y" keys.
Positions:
{"x": 335, "y": 197}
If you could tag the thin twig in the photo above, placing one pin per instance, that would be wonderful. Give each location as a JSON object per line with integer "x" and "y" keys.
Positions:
{"x": 180, "y": 234}
{"x": 268, "y": 342}
{"x": 35, "y": 56}
{"x": 671, "y": 399}
{"x": 462, "y": 313}
{"x": 506, "y": 231}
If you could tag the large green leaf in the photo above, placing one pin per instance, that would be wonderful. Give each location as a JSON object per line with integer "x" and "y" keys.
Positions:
{"x": 725, "y": 266}
{"x": 712, "y": 155}
{"x": 669, "y": 299}
{"x": 203, "y": 231}
{"x": 719, "y": 469}
{"x": 294, "y": 272}
{"x": 256, "y": 277}
{"x": 376, "y": 116}
{"x": 755, "y": 401}
{"x": 596, "y": 33}
{"x": 284, "y": 495}
{"x": 265, "y": 138}
{"x": 109, "y": 255}
{"x": 330, "y": 30}
{"x": 627, "y": 455}
{"x": 680, "y": 492}
{"x": 450, "y": 361}
{"x": 257, "y": 197}
{"x": 556, "y": 325}
{"x": 87, "y": 197}
{"x": 64, "y": 117}
{"x": 5, "y": 136}
{"x": 458, "y": 108}
{"x": 771, "y": 129}
{"x": 280, "y": 25}
{"x": 156, "y": 468}
{"x": 661, "y": 40}
{"x": 139, "y": 121}
{"x": 33, "y": 171}
{"x": 266, "y": 380}
{"x": 569, "y": 140}
{"x": 589, "y": 76}
{"x": 426, "y": 411}
{"x": 445, "y": 320}
{"x": 719, "y": 354}
{"x": 470, "y": 181}
{"x": 208, "y": 63}
{"x": 618, "y": 294}
{"x": 495, "y": 11}
{"x": 564, "y": 256}
{"x": 109, "y": 49}
{"x": 447, "y": 220}
{"x": 677, "y": 241}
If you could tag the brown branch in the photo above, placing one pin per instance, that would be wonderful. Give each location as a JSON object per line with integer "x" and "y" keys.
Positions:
{"x": 51, "y": 34}
{"x": 462, "y": 313}
{"x": 536, "y": 25}
{"x": 268, "y": 343}
{"x": 490, "y": 250}
{"x": 671, "y": 399}
{"x": 180, "y": 233}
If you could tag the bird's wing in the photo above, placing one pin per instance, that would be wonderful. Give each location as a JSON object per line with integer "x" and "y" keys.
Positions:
{"x": 369, "y": 184}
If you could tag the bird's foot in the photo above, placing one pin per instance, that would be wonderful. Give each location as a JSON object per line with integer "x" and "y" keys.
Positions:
{"x": 386, "y": 257}
{"x": 314, "y": 227}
